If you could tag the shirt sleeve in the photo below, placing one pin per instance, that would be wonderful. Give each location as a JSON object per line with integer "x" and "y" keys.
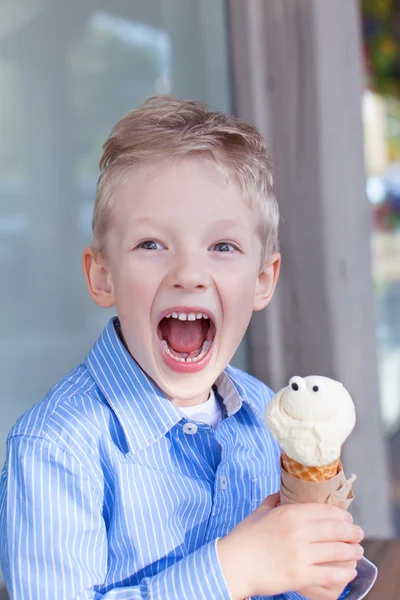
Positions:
{"x": 53, "y": 539}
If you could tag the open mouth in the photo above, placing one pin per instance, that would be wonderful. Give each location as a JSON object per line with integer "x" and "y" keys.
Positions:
{"x": 186, "y": 336}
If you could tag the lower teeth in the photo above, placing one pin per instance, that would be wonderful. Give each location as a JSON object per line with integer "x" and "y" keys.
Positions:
{"x": 205, "y": 348}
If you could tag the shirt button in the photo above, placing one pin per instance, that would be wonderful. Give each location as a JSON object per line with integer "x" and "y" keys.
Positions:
{"x": 190, "y": 428}
{"x": 224, "y": 482}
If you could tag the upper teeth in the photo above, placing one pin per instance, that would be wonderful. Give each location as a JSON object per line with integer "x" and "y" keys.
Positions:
{"x": 187, "y": 317}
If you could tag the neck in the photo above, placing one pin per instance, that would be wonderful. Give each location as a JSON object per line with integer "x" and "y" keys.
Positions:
{"x": 192, "y": 401}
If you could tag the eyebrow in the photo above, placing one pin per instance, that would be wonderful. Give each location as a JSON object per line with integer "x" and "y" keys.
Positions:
{"x": 151, "y": 221}
{"x": 221, "y": 223}
{"x": 229, "y": 223}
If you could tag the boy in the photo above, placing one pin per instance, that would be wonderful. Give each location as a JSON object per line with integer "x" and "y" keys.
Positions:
{"x": 143, "y": 473}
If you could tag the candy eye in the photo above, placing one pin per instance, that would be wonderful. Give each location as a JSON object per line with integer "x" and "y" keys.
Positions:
{"x": 315, "y": 388}
{"x": 297, "y": 383}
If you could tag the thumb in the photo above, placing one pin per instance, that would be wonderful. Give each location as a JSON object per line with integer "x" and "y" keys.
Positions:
{"x": 271, "y": 501}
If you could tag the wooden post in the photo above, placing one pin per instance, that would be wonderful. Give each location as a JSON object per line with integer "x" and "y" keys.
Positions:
{"x": 297, "y": 75}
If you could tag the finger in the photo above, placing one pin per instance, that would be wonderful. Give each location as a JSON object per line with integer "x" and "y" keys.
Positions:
{"x": 336, "y": 552}
{"x": 334, "y": 531}
{"x": 352, "y": 564}
{"x": 328, "y": 576}
{"x": 321, "y": 593}
{"x": 315, "y": 512}
{"x": 271, "y": 501}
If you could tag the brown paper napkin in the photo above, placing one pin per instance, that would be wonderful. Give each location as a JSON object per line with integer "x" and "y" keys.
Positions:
{"x": 337, "y": 490}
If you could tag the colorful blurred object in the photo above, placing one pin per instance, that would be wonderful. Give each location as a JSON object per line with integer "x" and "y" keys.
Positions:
{"x": 386, "y": 212}
{"x": 381, "y": 25}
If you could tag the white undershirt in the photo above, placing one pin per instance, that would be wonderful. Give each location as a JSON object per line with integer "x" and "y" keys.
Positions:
{"x": 209, "y": 412}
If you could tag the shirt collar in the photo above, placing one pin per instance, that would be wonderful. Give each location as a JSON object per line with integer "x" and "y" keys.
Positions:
{"x": 234, "y": 392}
{"x": 143, "y": 411}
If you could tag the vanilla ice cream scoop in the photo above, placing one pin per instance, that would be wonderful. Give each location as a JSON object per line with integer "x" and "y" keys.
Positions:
{"x": 311, "y": 418}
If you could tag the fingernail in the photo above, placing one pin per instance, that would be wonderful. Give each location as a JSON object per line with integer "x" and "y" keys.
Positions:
{"x": 360, "y": 533}
{"x": 350, "y": 517}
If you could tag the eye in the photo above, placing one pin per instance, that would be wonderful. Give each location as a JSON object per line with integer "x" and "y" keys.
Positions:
{"x": 224, "y": 247}
{"x": 297, "y": 383}
{"x": 315, "y": 388}
{"x": 150, "y": 245}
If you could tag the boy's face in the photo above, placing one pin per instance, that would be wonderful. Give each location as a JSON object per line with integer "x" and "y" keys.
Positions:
{"x": 182, "y": 242}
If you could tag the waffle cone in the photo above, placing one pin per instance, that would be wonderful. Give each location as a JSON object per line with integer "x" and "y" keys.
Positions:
{"x": 305, "y": 473}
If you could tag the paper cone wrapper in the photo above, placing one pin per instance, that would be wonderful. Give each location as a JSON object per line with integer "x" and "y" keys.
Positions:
{"x": 315, "y": 486}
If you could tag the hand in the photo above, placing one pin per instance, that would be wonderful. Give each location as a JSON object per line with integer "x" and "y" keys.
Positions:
{"x": 286, "y": 548}
{"x": 327, "y": 593}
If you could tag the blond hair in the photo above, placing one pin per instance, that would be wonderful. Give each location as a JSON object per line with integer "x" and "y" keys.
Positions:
{"x": 167, "y": 127}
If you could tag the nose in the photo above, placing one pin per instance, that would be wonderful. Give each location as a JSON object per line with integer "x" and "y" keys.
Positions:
{"x": 297, "y": 383}
{"x": 188, "y": 273}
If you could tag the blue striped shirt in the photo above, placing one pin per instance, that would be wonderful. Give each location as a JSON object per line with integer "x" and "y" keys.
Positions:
{"x": 109, "y": 491}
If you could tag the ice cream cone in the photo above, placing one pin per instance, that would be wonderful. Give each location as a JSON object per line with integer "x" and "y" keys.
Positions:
{"x": 305, "y": 473}
{"x": 311, "y": 418}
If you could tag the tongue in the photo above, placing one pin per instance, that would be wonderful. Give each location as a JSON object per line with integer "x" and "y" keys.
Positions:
{"x": 183, "y": 336}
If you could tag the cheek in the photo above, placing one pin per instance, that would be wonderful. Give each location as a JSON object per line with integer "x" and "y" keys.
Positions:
{"x": 240, "y": 284}
{"x": 238, "y": 297}
{"x": 134, "y": 291}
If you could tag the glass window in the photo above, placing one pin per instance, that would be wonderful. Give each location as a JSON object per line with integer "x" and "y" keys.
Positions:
{"x": 68, "y": 72}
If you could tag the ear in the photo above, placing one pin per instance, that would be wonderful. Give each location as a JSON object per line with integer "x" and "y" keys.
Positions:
{"x": 98, "y": 278}
{"x": 266, "y": 281}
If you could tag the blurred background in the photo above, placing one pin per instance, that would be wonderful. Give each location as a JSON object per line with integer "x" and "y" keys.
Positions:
{"x": 70, "y": 70}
